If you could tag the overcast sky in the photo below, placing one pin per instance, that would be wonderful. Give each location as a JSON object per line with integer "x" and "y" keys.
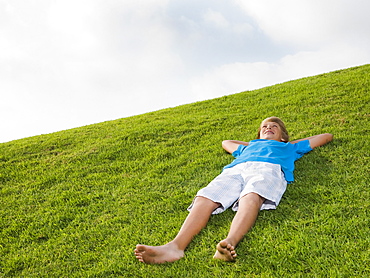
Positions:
{"x": 69, "y": 63}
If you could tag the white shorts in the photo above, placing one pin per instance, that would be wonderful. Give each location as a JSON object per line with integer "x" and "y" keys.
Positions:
{"x": 265, "y": 179}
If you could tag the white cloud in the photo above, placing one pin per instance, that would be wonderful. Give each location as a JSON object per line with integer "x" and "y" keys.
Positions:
{"x": 309, "y": 23}
{"x": 324, "y": 36}
{"x": 238, "y": 77}
{"x": 216, "y": 18}
{"x": 67, "y": 63}
{"x": 70, "y": 63}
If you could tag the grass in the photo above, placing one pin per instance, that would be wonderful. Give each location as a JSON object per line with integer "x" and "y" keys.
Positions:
{"x": 75, "y": 203}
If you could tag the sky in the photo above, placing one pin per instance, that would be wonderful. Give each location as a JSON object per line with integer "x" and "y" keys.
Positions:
{"x": 70, "y": 63}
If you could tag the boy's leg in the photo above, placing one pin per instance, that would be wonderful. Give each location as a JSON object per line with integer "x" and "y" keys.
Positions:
{"x": 249, "y": 207}
{"x": 174, "y": 250}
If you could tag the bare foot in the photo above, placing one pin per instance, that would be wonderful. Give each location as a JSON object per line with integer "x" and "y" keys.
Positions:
{"x": 225, "y": 251}
{"x": 158, "y": 254}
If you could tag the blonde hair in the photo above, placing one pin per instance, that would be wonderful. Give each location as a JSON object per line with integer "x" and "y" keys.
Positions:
{"x": 277, "y": 120}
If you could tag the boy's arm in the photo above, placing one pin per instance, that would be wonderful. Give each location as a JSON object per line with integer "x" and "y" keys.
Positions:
{"x": 317, "y": 140}
{"x": 232, "y": 145}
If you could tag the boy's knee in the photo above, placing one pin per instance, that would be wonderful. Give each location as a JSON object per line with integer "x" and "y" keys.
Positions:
{"x": 200, "y": 200}
{"x": 253, "y": 198}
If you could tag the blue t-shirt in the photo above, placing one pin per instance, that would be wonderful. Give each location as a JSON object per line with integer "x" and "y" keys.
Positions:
{"x": 284, "y": 154}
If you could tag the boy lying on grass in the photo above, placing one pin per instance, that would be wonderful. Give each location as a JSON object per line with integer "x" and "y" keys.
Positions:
{"x": 254, "y": 181}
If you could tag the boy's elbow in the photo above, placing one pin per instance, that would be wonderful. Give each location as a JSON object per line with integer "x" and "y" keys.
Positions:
{"x": 320, "y": 140}
{"x": 329, "y": 137}
{"x": 224, "y": 144}
{"x": 228, "y": 146}
{"x": 326, "y": 138}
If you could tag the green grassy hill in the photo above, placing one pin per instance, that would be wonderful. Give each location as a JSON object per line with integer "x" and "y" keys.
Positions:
{"x": 76, "y": 202}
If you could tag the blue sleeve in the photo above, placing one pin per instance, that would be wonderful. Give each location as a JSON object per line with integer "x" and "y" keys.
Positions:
{"x": 301, "y": 148}
{"x": 238, "y": 151}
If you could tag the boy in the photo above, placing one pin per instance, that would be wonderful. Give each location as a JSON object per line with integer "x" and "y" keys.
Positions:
{"x": 255, "y": 180}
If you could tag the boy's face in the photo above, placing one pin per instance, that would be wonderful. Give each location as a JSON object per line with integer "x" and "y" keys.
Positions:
{"x": 270, "y": 131}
